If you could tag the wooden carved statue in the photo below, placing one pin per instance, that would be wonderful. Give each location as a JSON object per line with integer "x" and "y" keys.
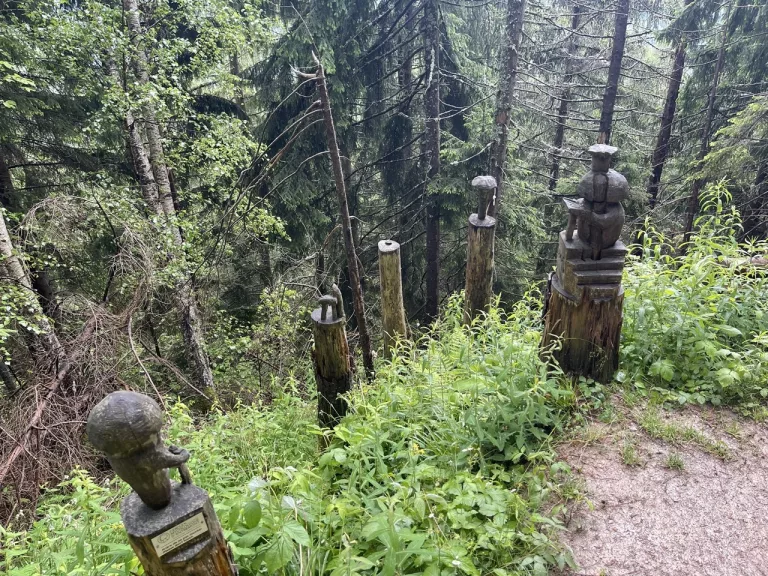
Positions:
{"x": 171, "y": 526}
{"x": 584, "y": 307}
{"x": 126, "y": 426}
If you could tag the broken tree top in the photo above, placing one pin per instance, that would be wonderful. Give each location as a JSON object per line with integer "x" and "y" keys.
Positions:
{"x": 126, "y": 426}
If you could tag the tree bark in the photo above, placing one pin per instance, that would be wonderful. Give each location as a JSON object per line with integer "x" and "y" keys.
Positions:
{"x": 346, "y": 225}
{"x": 393, "y": 320}
{"x": 190, "y": 316}
{"x": 14, "y": 266}
{"x": 661, "y": 151}
{"x": 698, "y": 183}
{"x": 565, "y": 96}
{"x": 408, "y": 188}
{"x": 514, "y": 32}
{"x": 7, "y": 377}
{"x": 432, "y": 148}
{"x": 754, "y": 213}
{"x": 479, "y": 281}
{"x": 614, "y": 71}
{"x": 141, "y": 165}
{"x": 209, "y": 556}
{"x": 6, "y": 183}
{"x": 333, "y": 370}
{"x": 151, "y": 126}
{"x": 591, "y": 330}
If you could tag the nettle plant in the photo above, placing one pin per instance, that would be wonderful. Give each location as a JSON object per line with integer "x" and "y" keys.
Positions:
{"x": 442, "y": 468}
{"x": 696, "y": 326}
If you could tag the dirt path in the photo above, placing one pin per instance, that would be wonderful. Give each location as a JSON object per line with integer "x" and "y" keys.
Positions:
{"x": 681, "y": 494}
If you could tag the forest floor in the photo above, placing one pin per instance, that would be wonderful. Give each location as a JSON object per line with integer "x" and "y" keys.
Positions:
{"x": 667, "y": 493}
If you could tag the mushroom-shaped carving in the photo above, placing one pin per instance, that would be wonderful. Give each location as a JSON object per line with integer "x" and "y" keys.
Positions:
{"x": 484, "y": 186}
{"x": 126, "y": 426}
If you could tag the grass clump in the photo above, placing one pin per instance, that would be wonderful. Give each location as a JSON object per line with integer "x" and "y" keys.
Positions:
{"x": 672, "y": 433}
{"x": 674, "y": 462}
{"x": 629, "y": 454}
{"x": 443, "y": 466}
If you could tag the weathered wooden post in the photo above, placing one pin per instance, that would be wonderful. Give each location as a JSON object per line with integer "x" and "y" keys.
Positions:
{"x": 333, "y": 371}
{"x": 171, "y": 526}
{"x": 584, "y": 304}
{"x": 482, "y": 232}
{"x": 393, "y": 320}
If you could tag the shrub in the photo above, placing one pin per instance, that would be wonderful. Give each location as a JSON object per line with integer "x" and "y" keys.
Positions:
{"x": 695, "y": 326}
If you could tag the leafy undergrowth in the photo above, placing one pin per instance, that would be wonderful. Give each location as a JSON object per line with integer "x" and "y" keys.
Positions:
{"x": 696, "y": 326}
{"x": 442, "y": 467}
{"x": 444, "y": 464}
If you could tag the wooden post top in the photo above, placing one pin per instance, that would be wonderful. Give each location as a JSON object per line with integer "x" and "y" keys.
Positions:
{"x": 388, "y": 246}
{"x": 126, "y": 427}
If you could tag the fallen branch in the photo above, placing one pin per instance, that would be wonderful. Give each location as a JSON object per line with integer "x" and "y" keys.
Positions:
{"x": 61, "y": 374}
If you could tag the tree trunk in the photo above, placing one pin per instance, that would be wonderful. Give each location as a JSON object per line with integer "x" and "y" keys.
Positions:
{"x": 151, "y": 126}
{"x": 346, "y": 225}
{"x": 408, "y": 188}
{"x": 514, "y": 32}
{"x": 51, "y": 352}
{"x": 190, "y": 316}
{"x": 6, "y": 184}
{"x": 754, "y": 213}
{"x": 698, "y": 183}
{"x": 432, "y": 147}
{"x": 565, "y": 96}
{"x": 190, "y": 516}
{"x": 614, "y": 71}
{"x": 141, "y": 164}
{"x": 333, "y": 370}
{"x": 661, "y": 151}
{"x": 479, "y": 281}
{"x": 9, "y": 381}
{"x": 590, "y": 330}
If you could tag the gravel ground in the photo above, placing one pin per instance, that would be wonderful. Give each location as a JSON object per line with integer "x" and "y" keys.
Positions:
{"x": 703, "y": 512}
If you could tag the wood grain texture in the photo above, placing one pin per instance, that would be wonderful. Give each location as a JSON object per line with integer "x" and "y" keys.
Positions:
{"x": 393, "y": 321}
{"x": 589, "y": 332}
{"x": 333, "y": 370}
{"x": 479, "y": 282}
{"x": 206, "y": 555}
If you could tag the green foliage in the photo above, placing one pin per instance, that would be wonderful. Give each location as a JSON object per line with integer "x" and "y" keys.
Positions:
{"x": 695, "y": 326}
{"x": 442, "y": 467}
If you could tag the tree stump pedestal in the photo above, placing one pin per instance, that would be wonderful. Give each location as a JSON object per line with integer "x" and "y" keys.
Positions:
{"x": 333, "y": 369}
{"x": 584, "y": 309}
{"x": 182, "y": 539}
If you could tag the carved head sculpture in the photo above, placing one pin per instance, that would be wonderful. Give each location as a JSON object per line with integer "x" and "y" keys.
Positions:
{"x": 600, "y": 215}
{"x": 126, "y": 426}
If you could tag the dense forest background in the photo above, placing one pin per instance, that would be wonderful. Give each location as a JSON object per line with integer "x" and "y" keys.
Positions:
{"x": 169, "y": 212}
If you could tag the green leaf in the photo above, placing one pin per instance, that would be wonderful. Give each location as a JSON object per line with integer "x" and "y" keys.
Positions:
{"x": 234, "y": 515}
{"x": 80, "y": 549}
{"x": 730, "y": 330}
{"x": 252, "y": 514}
{"x": 278, "y": 552}
{"x": 249, "y": 538}
{"x": 296, "y": 532}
